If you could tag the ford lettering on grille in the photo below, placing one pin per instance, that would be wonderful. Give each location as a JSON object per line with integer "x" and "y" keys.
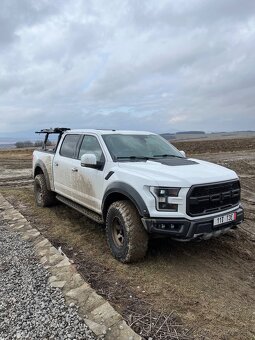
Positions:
{"x": 211, "y": 198}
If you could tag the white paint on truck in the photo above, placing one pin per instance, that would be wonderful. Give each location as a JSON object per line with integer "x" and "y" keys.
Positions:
{"x": 174, "y": 195}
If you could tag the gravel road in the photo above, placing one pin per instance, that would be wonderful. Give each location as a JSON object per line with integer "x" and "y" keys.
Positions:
{"x": 29, "y": 307}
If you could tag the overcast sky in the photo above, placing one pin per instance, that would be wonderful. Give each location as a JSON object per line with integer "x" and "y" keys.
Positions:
{"x": 151, "y": 65}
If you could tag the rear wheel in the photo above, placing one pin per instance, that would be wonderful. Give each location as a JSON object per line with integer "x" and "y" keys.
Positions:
{"x": 126, "y": 236}
{"x": 43, "y": 196}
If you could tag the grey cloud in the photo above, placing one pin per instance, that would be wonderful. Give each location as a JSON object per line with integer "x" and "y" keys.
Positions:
{"x": 15, "y": 14}
{"x": 183, "y": 14}
{"x": 151, "y": 65}
{"x": 75, "y": 39}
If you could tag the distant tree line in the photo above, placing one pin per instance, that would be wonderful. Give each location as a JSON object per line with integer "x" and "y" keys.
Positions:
{"x": 29, "y": 144}
{"x": 190, "y": 133}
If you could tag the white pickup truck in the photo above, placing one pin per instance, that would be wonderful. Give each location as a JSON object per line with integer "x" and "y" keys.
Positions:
{"x": 138, "y": 185}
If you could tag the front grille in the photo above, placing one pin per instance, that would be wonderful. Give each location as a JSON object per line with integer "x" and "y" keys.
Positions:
{"x": 211, "y": 198}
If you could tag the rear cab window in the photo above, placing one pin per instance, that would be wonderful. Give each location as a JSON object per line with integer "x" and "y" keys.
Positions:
{"x": 69, "y": 146}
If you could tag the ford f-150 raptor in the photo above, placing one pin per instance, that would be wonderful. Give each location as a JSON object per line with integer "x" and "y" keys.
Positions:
{"x": 138, "y": 185}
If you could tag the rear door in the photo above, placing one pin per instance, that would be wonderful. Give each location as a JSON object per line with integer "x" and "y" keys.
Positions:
{"x": 64, "y": 165}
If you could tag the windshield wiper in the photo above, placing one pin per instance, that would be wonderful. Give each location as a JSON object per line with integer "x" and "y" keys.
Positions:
{"x": 167, "y": 155}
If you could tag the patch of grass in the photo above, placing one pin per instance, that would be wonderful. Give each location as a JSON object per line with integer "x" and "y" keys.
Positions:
{"x": 19, "y": 154}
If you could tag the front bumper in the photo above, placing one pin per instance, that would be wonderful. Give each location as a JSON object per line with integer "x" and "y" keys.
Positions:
{"x": 185, "y": 229}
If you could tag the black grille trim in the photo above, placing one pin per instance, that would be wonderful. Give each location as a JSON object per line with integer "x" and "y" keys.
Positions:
{"x": 205, "y": 199}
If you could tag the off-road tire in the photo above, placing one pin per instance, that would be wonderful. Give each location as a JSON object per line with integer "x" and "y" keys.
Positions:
{"x": 135, "y": 237}
{"x": 43, "y": 196}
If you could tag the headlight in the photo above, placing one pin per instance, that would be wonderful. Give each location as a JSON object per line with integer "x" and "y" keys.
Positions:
{"x": 162, "y": 196}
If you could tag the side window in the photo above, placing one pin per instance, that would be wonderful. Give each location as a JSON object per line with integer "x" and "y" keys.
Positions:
{"x": 90, "y": 144}
{"x": 68, "y": 146}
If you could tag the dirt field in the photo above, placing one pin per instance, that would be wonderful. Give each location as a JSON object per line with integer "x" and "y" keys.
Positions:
{"x": 210, "y": 285}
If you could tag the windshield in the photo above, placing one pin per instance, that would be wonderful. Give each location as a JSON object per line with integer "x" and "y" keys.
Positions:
{"x": 139, "y": 147}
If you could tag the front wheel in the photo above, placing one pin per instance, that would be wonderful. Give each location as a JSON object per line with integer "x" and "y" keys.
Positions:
{"x": 43, "y": 196}
{"x": 126, "y": 236}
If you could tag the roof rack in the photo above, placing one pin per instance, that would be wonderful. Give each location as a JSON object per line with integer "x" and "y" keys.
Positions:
{"x": 47, "y": 132}
{"x": 55, "y": 130}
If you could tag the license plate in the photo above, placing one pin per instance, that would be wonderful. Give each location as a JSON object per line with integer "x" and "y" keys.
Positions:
{"x": 224, "y": 219}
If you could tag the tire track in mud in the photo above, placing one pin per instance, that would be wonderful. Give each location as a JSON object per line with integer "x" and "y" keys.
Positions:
{"x": 16, "y": 168}
{"x": 15, "y": 177}
{"x": 12, "y": 183}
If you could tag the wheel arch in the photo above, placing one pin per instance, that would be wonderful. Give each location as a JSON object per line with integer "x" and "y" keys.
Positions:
{"x": 119, "y": 191}
{"x": 40, "y": 168}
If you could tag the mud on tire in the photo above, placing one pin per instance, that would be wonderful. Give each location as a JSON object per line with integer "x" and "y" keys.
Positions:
{"x": 126, "y": 236}
{"x": 43, "y": 196}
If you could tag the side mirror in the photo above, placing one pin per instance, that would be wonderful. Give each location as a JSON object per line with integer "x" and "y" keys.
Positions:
{"x": 183, "y": 153}
{"x": 89, "y": 160}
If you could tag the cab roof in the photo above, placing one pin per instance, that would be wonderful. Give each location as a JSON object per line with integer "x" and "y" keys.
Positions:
{"x": 107, "y": 132}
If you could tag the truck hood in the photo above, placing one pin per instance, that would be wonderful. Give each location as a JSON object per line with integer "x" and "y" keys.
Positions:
{"x": 179, "y": 173}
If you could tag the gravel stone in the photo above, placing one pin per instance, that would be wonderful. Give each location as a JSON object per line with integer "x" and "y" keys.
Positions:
{"x": 29, "y": 307}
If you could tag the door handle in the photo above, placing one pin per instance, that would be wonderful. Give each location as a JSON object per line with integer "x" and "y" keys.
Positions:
{"x": 74, "y": 170}
{"x": 56, "y": 163}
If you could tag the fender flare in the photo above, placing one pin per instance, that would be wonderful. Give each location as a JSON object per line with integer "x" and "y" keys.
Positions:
{"x": 128, "y": 191}
{"x": 41, "y": 165}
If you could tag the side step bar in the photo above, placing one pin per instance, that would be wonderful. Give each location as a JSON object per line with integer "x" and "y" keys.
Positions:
{"x": 85, "y": 211}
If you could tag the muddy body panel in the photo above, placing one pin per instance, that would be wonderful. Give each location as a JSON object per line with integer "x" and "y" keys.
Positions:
{"x": 95, "y": 168}
{"x": 44, "y": 160}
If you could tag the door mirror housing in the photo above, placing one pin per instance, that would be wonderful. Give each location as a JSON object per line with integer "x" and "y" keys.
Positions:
{"x": 183, "y": 153}
{"x": 89, "y": 160}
